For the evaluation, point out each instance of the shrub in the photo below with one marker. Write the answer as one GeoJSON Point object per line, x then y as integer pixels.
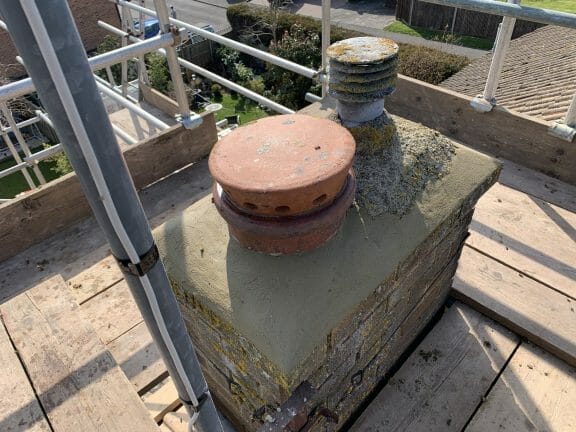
{"type": "Point", "coordinates": [243, 74]}
{"type": "Point", "coordinates": [429, 65]}
{"type": "Point", "coordinates": [158, 72]}
{"type": "Point", "coordinates": [299, 46]}
{"type": "Point", "coordinates": [61, 162]}
{"type": "Point", "coordinates": [216, 90]}
{"type": "Point", "coordinates": [256, 85]}
{"type": "Point", "coordinates": [426, 64]}
{"type": "Point", "coordinates": [227, 58]}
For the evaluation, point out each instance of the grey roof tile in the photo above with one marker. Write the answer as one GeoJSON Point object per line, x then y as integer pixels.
{"type": "Point", "coordinates": [538, 77]}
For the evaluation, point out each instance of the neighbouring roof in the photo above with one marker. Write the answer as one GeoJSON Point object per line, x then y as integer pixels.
{"type": "Point", "coordinates": [538, 77]}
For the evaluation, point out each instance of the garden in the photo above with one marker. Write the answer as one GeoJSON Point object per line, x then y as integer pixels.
{"type": "Point", "coordinates": [12, 185]}
{"type": "Point", "coordinates": [290, 36]}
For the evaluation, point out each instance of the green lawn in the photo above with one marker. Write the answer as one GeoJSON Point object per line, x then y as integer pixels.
{"type": "Point", "coordinates": [559, 5]}
{"type": "Point", "coordinates": [467, 41]}
{"type": "Point", "coordinates": [15, 183]}
{"type": "Point", "coordinates": [247, 109]}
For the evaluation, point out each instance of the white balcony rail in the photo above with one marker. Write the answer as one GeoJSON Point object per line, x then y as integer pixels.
{"type": "Point", "coordinates": [511, 11]}
{"type": "Point", "coordinates": [164, 44]}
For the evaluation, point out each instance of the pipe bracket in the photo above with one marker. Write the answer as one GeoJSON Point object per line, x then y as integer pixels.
{"type": "Point", "coordinates": [192, 121]}
{"type": "Point", "coordinates": [562, 131]}
{"type": "Point", "coordinates": [147, 261]}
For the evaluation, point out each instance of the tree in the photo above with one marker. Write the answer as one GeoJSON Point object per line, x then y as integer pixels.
{"type": "Point", "coordinates": [108, 44]}
{"type": "Point", "coordinates": [302, 47]}
{"type": "Point", "coordinates": [227, 59]}
{"type": "Point", "coordinates": [276, 8]}
{"type": "Point", "coordinates": [158, 72]}
{"type": "Point", "coordinates": [265, 28]}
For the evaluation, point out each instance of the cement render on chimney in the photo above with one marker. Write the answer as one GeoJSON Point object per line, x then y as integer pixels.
{"type": "Point", "coordinates": [287, 305]}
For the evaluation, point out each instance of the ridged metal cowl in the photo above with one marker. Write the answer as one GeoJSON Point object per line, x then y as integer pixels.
{"type": "Point", "coordinates": [362, 72]}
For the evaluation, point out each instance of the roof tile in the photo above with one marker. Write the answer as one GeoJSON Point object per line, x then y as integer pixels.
{"type": "Point", "coordinates": [538, 77]}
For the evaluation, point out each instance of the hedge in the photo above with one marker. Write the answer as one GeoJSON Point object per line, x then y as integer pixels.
{"type": "Point", "coordinates": [244, 15]}
{"type": "Point", "coordinates": [423, 63]}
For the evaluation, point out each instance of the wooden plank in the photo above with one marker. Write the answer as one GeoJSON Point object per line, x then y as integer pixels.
{"type": "Point", "coordinates": [536, 392]}
{"type": "Point", "coordinates": [465, 350]}
{"type": "Point", "coordinates": [82, 244]}
{"type": "Point", "coordinates": [528, 234]}
{"type": "Point", "coordinates": [159, 100]}
{"type": "Point", "coordinates": [538, 185]}
{"type": "Point", "coordinates": [113, 312]}
{"type": "Point", "coordinates": [19, 408]}
{"type": "Point", "coordinates": [501, 132]}
{"type": "Point", "coordinates": [170, 150]}
{"type": "Point", "coordinates": [95, 279]}
{"type": "Point", "coordinates": [43, 212]}
{"type": "Point", "coordinates": [36, 215]}
{"type": "Point", "coordinates": [139, 358]}
{"type": "Point", "coordinates": [78, 382]}
{"type": "Point", "coordinates": [177, 421]}
{"type": "Point", "coordinates": [527, 307]}
{"type": "Point", "coordinates": [161, 399]}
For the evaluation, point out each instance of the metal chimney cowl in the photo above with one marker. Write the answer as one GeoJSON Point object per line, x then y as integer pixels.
{"type": "Point", "coordinates": [361, 73]}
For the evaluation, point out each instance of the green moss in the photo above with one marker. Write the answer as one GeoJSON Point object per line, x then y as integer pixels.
{"type": "Point", "coordinates": [372, 139]}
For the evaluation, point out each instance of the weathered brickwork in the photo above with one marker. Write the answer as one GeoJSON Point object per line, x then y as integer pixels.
{"type": "Point", "coordinates": [86, 14]}
{"type": "Point", "coordinates": [366, 344]}
{"type": "Point", "coordinates": [401, 272]}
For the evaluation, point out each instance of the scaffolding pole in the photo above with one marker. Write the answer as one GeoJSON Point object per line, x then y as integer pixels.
{"type": "Point", "coordinates": [189, 120]}
{"type": "Point", "coordinates": [262, 55]}
{"type": "Point", "coordinates": [65, 85]}
{"type": "Point", "coordinates": [21, 141]}
{"type": "Point", "coordinates": [212, 76]}
{"type": "Point", "coordinates": [120, 133]}
{"type": "Point", "coordinates": [486, 101]}
{"type": "Point", "coordinates": [126, 16]}
{"type": "Point", "coordinates": [326, 5]}
{"type": "Point", "coordinates": [514, 10]}
{"type": "Point", "coordinates": [26, 86]}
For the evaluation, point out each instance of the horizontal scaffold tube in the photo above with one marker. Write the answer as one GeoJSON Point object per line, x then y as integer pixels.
{"type": "Point", "coordinates": [544, 16]}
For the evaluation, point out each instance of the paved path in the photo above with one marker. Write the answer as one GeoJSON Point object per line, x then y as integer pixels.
{"type": "Point", "coordinates": [471, 53]}
{"type": "Point", "coordinates": [201, 12]}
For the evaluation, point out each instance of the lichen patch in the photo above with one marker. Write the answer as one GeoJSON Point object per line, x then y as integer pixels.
{"type": "Point", "coordinates": [395, 160]}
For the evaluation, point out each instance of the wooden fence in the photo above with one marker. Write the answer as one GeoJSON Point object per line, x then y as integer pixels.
{"type": "Point", "coordinates": [201, 51]}
{"type": "Point", "coordinates": [457, 21]}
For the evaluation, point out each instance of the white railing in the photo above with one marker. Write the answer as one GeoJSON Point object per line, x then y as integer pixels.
{"type": "Point", "coordinates": [511, 11]}
{"type": "Point", "coordinates": [165, 45]}
{"type": "Point", "coordinates": [25, 86]}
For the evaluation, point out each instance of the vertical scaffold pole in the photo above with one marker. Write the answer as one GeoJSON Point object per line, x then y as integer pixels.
{"type": "Point", "coordinates": [46, 37]}
{"type": "Point", "coordinates": [188, 119]}
{"type": "Point", "coordinates": [487, 100]}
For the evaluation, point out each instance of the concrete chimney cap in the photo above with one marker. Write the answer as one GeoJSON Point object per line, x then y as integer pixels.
{"type": "Point", "coordinates": [363, 50]}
